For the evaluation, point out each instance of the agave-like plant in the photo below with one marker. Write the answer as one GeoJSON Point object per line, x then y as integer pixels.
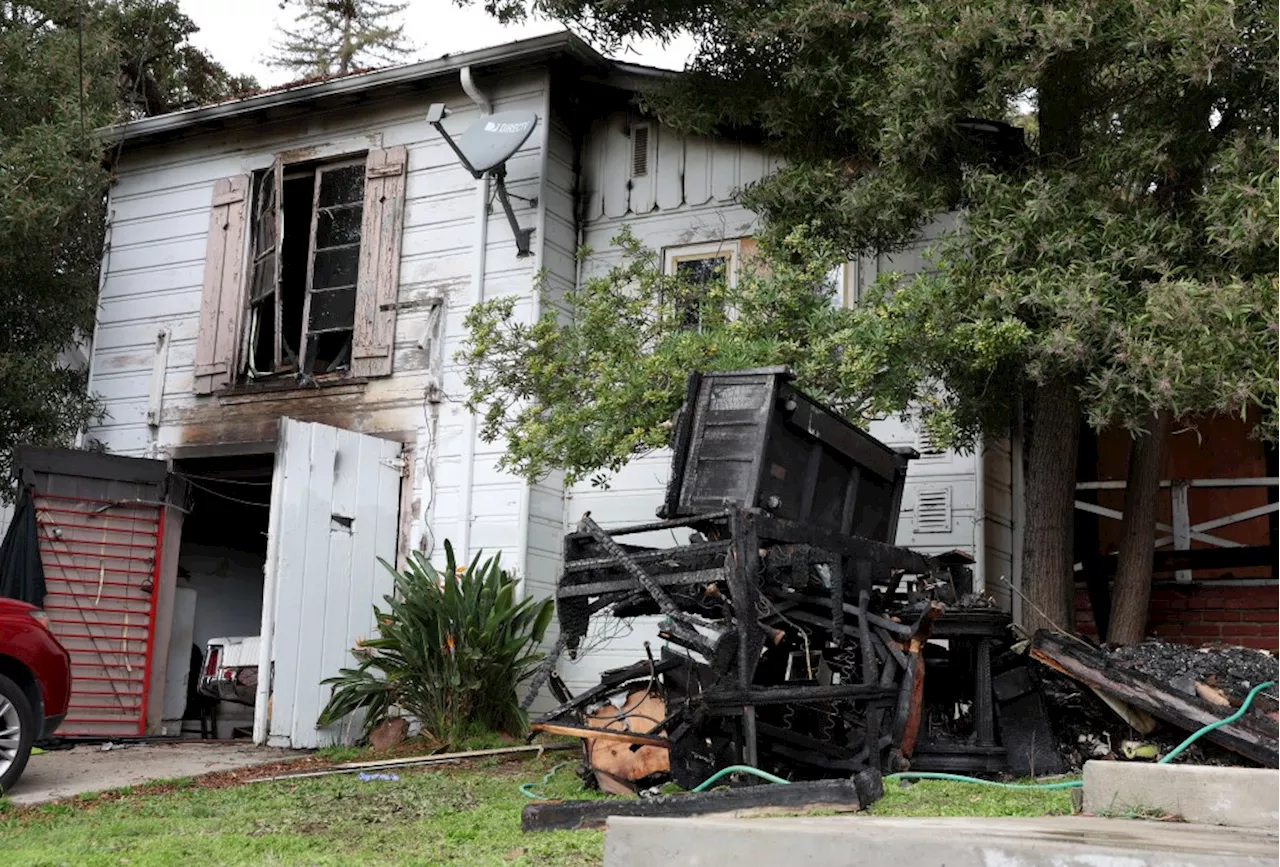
{"type": "Point", "coordinates": [451, 648]}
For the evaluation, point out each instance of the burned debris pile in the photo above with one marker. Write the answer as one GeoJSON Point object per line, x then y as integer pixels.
{"type": "Point", "coordinates": [1164, 692]}
{"type": "Point", "coordinates": [1232, 671]}
{"type": "Point", "coordinates": [801, 632]}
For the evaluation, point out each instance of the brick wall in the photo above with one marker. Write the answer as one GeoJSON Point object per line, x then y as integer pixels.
{"type": "Point", "coordinates": [1200, 612]}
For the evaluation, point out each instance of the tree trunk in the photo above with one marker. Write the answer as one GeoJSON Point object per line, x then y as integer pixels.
{"type": "Point", "coordinates": [1048, 576]}
{"type": "Point", "coordinates": [1131, 593]}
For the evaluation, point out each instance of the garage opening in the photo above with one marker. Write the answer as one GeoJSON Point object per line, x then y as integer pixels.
{"type": "Point", "coordinates": [219, 596]}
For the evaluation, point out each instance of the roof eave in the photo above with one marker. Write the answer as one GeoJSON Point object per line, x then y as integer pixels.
{"type": "Point", "coordinates": [524, 51]}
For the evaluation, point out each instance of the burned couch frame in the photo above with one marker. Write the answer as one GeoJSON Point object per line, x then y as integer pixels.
{"type": "Point", "coordinates": [804, 626]}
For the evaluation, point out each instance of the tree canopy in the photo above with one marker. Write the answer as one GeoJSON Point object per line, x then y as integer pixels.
{"type": "Point", "coordinates": [1115, 254]}
{"type": "Point", "coordinates": [70, 68]}
{"type": "Point", "coordinates": [340, 36]}
{"type": "Point", "coordinates": [160, 70]}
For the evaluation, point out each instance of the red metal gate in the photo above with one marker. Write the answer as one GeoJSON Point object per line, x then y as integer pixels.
{"type": "Point", "coordinates": [101, 563]}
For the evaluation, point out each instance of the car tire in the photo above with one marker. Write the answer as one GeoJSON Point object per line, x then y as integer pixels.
{"type": "Point", "coordinates": [15, 709]}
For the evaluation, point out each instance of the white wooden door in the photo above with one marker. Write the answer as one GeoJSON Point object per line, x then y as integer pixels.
{"type": "Point", "coordinates": [334, 511]}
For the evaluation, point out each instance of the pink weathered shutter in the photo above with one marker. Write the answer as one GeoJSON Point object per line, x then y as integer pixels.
{"type": "Point", "coordinates": [223, 294]}
{"type": "Point", "coordinates": [378, 283]}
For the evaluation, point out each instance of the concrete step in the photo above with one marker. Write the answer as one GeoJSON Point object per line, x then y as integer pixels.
{"type": "Point", "coordinates": [1064, 841]}
{"type": "Point", "coordinates": [1204, 794]}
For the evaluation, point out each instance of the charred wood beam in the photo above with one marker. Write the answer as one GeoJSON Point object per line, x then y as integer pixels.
{"type": "Point", "coordinates": [879, 556]}
{"type": "Point", "coordinates": [891, 645]}
{"type": "Point", "coordinates": [802, 756]}
{"type": "Point", "coordinates": [845, 795]}
{"type": "Point", "coordinates": [1250, 738]}
{"type": "Point", "coordinates": [681, 556]}
{"type": "Point", "coordinates": [869, 672]}
{"type": "Point", "coordinates": [744, 571]}
{"type": "Point", "coordinates": [821, 750]}
{"type": "Point", "coordinates": [612, 681]}
{"type": "Point", "coordinates": [759, 695]}
{"type": "Point", "coordinates": [652, 526]}
{"type": "Point", "coordinates": [665, 604]}
{"type": "Point", "coordinates": [906, 726]}
{"type": "Point", "coordinates": [623, 585]}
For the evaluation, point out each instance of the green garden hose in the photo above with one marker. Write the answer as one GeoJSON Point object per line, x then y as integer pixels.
{"type": "Point", "coordinates": [960, 778]}
{"type": "Point", "coordinates": [737, 769]}
{"type": "Point", "coordinates": [1218, 724]}
{"type": "Point", "coordinates": [527, 788]}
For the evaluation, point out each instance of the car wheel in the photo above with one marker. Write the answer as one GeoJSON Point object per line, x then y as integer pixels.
{"type": "Point", "coordinates": [17, 732]}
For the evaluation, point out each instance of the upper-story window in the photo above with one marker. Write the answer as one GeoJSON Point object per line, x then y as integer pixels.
{"type": "Point", "coordinates": [700, 265]}
{"type": "Point", "coordinates": [306, 263]}
{"type": "Point", "coordinates": [302, 272]}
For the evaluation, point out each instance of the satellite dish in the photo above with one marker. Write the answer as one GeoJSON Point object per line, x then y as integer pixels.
{"type": "Point", "coordinates": [490, 141]}
{"type": "Point", "coordinates": [484, 150]}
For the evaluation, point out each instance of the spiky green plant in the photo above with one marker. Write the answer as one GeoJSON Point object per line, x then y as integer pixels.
{"type": "Point", "coordinates": [451, 648]}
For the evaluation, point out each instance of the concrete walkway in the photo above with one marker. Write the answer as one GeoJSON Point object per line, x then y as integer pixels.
{"type": "Point", "coordinates": [63, 773]}
{"type": "Point", "coordinates": [1064, 841]}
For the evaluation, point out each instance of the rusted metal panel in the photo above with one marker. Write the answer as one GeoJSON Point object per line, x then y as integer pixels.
{"type": "Point", "coordinates": [221, 300]}
{"type": "Point", "coordinates": [101, 562]}
{"type": "Point", "coordinates": [379, 277]}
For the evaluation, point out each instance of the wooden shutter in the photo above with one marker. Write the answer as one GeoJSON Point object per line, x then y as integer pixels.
{"type": "Point", "coordinates": [378, 282]}
{"type": "Point", "coordinates": [222, 298]}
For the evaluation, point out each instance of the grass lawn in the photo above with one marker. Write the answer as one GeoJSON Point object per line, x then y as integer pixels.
{"type": "Point", "coordinates": [460, 815]}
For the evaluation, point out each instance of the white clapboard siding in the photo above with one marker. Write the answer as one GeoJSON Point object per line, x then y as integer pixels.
{"type": "Point", "coordinates": [160, 213]}
{"type": "Point", "coordinates": [337, 495]}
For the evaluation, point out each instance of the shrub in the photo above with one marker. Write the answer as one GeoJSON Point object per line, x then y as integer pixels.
{"type": "Point", "coordinates": [451, 648]}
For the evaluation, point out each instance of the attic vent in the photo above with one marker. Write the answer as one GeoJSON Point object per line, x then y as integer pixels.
{"type": "Point", "coordinates": [928, 449]}
{"type": "Point", "coordinates": [640, 150]}
{"type": "Point", "coordinates": [933, 511]}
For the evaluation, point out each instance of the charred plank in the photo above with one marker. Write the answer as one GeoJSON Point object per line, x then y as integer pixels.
{"type": "Point", "coordinates": [845, 795]}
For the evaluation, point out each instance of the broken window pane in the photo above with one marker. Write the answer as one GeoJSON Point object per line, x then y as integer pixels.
{"type": "Point", "coordinates": [338, 226]}
{"type": "Point", "coordinates": [332, 309]}
{"type": "Point", "coordinates": [306, 240]}
{"type": "Point", "coordinates": [342, 186]}
{"type": "Point", "coordinates": [336, 267]}
{"type": "Point", "coordinates": [264, 278]}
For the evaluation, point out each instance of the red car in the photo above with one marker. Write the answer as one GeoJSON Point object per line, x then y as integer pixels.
{"type": "Point", "coordinates": [35, 685]}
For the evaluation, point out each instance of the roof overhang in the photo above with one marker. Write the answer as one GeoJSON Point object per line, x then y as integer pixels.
{"type": "Point", "coordinates": [301, 99]}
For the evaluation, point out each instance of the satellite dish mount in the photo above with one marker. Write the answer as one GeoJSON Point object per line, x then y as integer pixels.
{"type": "Point", "coordinates": [484, 150]}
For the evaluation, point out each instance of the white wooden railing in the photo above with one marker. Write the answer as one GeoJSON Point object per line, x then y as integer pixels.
{"type": "Point", "coordinates": [1182, 532]}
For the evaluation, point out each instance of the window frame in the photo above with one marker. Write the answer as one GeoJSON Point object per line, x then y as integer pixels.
{"type": "Point", "coordinates": [283, 170]}
{"type": "Point", "coordinates": [729, 248]}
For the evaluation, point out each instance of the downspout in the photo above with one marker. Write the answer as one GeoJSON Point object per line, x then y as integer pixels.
{"type": "Point", "coordinates": [477, 295]}
{"type": "Point", "coordinates": [526, 487]}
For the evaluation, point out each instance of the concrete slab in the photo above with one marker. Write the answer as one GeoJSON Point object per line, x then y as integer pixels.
{"type": "Point", "coordinates": [1062, 841]}
{"type": "Point", "coordinates": [63, 773]}
{"type": "Point", "coordinates": [1238, 797]}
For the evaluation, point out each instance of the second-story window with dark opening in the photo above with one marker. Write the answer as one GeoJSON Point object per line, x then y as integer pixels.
{"type": "Point", "coordinates": [698, 266]}
{"type": "Point", "coordinates": [305, 259]}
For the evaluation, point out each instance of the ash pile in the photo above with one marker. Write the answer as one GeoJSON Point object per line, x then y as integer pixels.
{"type": "Point", "coordinates": [799, 639]}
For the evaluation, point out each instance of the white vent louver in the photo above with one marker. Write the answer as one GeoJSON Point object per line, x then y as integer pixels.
{"type": "Point", "coordinates": [639, 150]}
{"type": "Point", "coordinates": [933, 511]}
{"type": "Point", "coordinates": [928, 449]}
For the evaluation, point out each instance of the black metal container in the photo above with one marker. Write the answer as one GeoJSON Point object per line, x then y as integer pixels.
{"type": "Point", "coordinates": [750, 438]}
